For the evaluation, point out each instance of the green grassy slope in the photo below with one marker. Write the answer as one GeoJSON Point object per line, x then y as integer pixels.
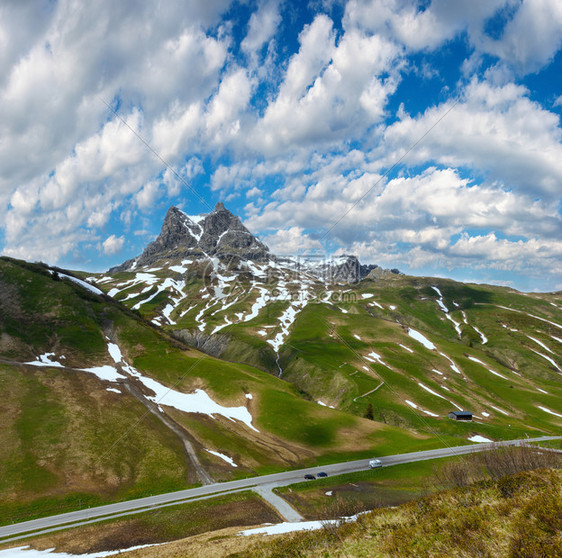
{"type": "Point", "coordinates": [67, 441]}
{"type": "Point", "coordinates": [498, 353]}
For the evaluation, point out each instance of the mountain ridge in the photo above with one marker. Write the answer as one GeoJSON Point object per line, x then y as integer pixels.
{"type": "Point", "coordinates": [218, 233]}
{"type": "Point", "coordinates": [221, 234]}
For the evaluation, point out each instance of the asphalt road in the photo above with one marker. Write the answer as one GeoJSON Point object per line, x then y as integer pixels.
{"type": "Point", "coordinates": [102, 513]}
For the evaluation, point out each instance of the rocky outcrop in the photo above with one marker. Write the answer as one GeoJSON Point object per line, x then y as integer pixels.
{"type": "Point", "coordinates": [343, 269]}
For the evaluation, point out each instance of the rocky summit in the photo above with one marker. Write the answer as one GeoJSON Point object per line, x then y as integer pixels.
{"type": "Point", "coordinates": [218, 233]}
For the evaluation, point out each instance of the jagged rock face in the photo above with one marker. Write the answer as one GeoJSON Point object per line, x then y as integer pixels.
{"type": "Point", "coordinates": [345, 269]}
{"type": "Point", "coordinates": [177, 230]}
{"type": "Point", "coordinates": [219, 233]}
{"type": "Point", "coordinates": [224, 234]}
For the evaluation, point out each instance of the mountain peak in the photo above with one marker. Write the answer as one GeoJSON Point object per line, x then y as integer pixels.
{"type": "Point", "coordinates": [219, 233]}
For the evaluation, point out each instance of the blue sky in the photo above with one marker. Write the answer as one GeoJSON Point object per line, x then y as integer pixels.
{"type": "Point", "coordinates": [419, 135]}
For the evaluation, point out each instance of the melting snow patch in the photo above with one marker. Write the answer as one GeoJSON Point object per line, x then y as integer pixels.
{"type": "Point", "coordinates": [374, 357]}
{"type": "Point", "coordinates": [474, 359]}
{"type": "Point", "coordinates": [83, 284]}
{"type": "Point", "coordinates": [455, 323]}
{"type": "Point", "coordinates": [229, 460]}
{"type": "Point", "coordinates": [167, 311]}
{"type": "Point", "coordinates": [479, 439]}
{"type": "Point", "coordinates": [482, 336]}
{"type": "Point", "coordinates": [542, 390]}
{"type": "Point", "coordinates": [499, 411]}
{"type": "Point", "coordinates": [196, 402]}
{"type": "Point", "coordinates": [329, 493]}
{"type": "Point", "coordinates": [419, 337]}
{"type": "Point", "coordinates": [325, 405]}
{"type": "Point", "coordinates": [281, 528]}
{"type": "Point", "coordinates": [105, 372]}
{"type": "Point", "coordinates": [440, 300]}
{"type": "Point", "coordinates": [485, 414]}
{"type": "Point", "coordinates": [357, 336]}
{"type": "Point", "coordinates": [366, 295]}
{"type": "Point", "coordinates": [547, 358]}
{"type": "Point", "coordinates": [549, 411]}
{"type": "Point", "coordinates": [115, 352]}
{"type": "Point", "coordinates": [406, 348]}
{"type": "Point", "coordinates": [438, 395]}
{"type": "Point", "coordinates": [431, 391]}
{"type": "Point", "coordinates": [531, 316]}
{"type": "Point", "coordinates": [423, 410]}
{"type": "Point", "coordinates": [451, 363]}
{"type": "Point", "coordinates": [45, 360]}
{"type": "Point", "coordinates": [377, 304]}
{"type": "Point", "coordinates": [541, 344]}
{"type": "Point", "coordinates": [113, 390]}
{"type": "Point", "coordinates": [392, 306]}
{"type": "Point", "coordinates": [178, 268]}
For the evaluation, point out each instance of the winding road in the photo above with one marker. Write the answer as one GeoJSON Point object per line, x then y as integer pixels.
{"type": "Point", "coordinates": [262, 485]}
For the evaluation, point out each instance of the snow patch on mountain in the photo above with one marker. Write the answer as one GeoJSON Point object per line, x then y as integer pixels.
{"type": "Point", "coordinates": [45, 360]}
{"type": "Point", "coordinates": [224, 457]}
{"type": "Point", "coordinates": [421, 338]}
{"type": "Point", "coordinates": [478, 361]}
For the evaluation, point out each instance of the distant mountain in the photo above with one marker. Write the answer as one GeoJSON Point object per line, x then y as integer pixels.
{"type": "Point", "coordinates": [219, 233]}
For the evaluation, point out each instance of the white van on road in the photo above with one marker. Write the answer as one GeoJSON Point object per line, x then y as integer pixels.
{"type": "Point", "coordinates": [374, 463]}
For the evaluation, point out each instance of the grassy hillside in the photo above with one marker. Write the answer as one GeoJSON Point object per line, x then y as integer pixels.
{"type": "Point", "coordinates": [403, 350]}
{"type": "Point", "coordinates": [517, 516]}
{"type": "Point", "coordinates": [84, 425]}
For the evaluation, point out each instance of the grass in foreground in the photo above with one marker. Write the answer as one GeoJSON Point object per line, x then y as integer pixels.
{"type": "Point", "coordinates": [516, 516]}
{"type": "Point", "coordinates": [161, 525]}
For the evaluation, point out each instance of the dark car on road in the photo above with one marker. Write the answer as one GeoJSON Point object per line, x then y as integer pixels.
{"type": "Point", "coordinates": [322, 474]}
{"type": "Point", "coordinates": [309, 477]}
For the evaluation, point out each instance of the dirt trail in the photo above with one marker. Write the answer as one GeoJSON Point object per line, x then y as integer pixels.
{"type": "Point", "coordinates": [203, 475]}
{"type": "Point", "coordinates": [130, 386]}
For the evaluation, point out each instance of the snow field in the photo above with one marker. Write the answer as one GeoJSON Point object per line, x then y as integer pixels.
{"type": "Point", "coordinates": [196, 402]}
{"type": "Point", "coordinates": [45, 360]}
